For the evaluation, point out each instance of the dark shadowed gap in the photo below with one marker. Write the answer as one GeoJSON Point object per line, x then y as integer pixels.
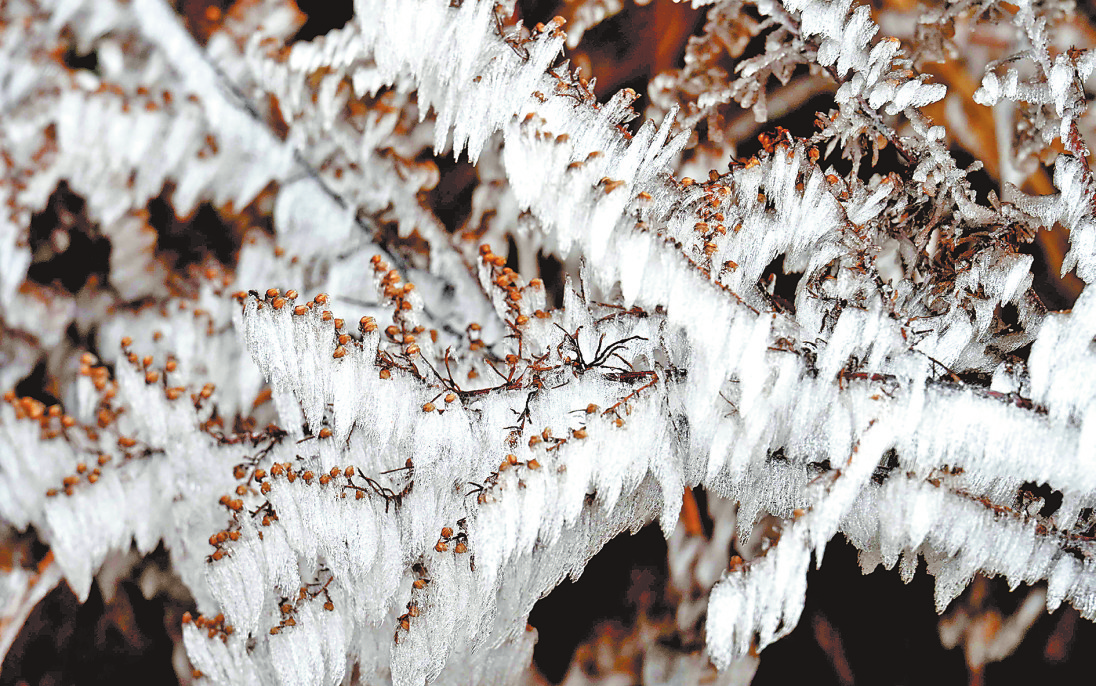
{"type": "Point", "coordinates": [68, 250]}
{"type": "Point", "coordinates": [38, 385]}
{"type": "Point", "coordinates": [784, 285]}
{"type": "Point", "coordinates": [512, 256]}
{"type": "Point", "coordinates": [533, 11]}
{"type": "Point", "coordinates": [182, 242]}
{"type": "Point", "coordinates": [1046, 282]}
{"type": "Point", "coordinates": [700, 494]}
{"type": "Point", "coordinates": [886, 630]}
{"type": "Point", "coordinates": [1007, 318]}
{"type": "Point", "coordinates": [551, 273]}
{"type": "Point", "coordinates": [323, 15]}
{"type": "Point", "coordinates": [1052, 499]}
{"type": "Point", "coordinates": [980, 181]}
{"type": "Point", "coordinates": [631, 47]}
{"type": "Point", "coordinates": [74, 60]}
{"type": "Point", "coordinates": [64, 642]}
{"type": "Point", "coordinates": [568, 615]}
{"type": "Point", "coordinates": [451, 199]}
{"type": "Point", "coordinates": [888, 633]}
{"type": "Point", "coordinates": [627, 49]}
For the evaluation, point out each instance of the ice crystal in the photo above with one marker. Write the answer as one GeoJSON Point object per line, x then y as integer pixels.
{"type": "Point", "coordinates": [379, 481]}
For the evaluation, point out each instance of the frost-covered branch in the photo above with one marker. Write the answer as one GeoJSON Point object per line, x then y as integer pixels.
{"type": "Point", "coordinates": [379, 482]}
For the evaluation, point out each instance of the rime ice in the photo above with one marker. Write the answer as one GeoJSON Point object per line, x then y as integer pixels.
{"type": "Point", "coordinates": [429, 447]}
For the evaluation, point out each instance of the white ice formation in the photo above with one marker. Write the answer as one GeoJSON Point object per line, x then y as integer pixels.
{"type": "Point", "coordinates": [444, 448]}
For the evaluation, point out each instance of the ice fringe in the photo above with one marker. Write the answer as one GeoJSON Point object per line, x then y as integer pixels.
{"type": "Point", "coordinates": [818, 415]}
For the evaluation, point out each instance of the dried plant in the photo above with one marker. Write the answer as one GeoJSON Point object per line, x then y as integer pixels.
{"type": "Point", "coordinates": [844, 330]}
